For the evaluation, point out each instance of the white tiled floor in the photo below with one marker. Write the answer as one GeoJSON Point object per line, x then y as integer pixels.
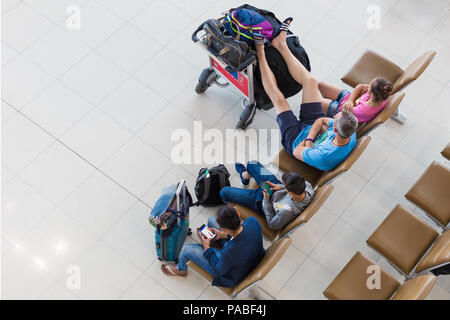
{"type": "Point", "coordinates": [87, 117]}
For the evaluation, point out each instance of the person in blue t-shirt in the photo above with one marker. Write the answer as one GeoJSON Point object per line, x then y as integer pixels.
{"type": "Point", "coordinates": [321, 142]}
{"type": "Point", "coordinates": [326, 143]}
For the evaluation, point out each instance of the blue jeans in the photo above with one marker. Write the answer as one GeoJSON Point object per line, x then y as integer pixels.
{"type": "Point", "coordinates": [194, 252]}
{"type": "Point", "coordinates": [251, 199]}
{"type": "Point", "coordinates": [333, 108]}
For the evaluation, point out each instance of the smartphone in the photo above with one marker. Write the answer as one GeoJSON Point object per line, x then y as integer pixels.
{"type": "Point", "coordinates": [268, 188]}
{"type": "Point", "coordinates": [207, 232]}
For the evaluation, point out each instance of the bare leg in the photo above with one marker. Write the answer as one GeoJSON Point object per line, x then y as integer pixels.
{"type": "Point", "coordinates": [297, 70]}
{"type": "Point", "coordinates": [325, 105]}
{"type": "Point", "coordinates": [270, 83]}
{"type": "Point", "coordinates": [329, 90]}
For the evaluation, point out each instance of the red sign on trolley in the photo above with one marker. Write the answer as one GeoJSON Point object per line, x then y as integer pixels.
{"type": "Point", "coordinates": [238, 79]}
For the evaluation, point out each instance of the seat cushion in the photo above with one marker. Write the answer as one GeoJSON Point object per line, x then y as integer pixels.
{"type": "Point", "coordinates": [286, 163]}
{"type": "Point", "coordinates": [247, 213]}
{"type": "Point", "coordinates": [439, 254]}
{"type": "Point", "coordinates": [431, 193]}
{"type": "Point", "coordinates": [370, 66]}
{"type": "Point", "coordinates": [416, 289]}
{"type": "Point", "coordinates": [446, 152]}
{"type": "Point", "coordinates": [351, 282]}
{"type": "Point", "coordinates": [207, 276]}
{"type": "Point", "coordinates": [403, 239]}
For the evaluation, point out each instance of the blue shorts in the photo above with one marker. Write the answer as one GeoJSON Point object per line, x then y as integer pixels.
{"type": "Point", "coordinates": [291, 127]}
{"type": "Point", "coordinates": [333, 108]}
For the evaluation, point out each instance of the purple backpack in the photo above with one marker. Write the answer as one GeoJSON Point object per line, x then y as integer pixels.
{"type": "Point", "coordinates": [243, 23]}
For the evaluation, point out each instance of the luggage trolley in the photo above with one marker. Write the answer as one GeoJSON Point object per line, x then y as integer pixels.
{"type": "Point", "coordinates": [241, 78]}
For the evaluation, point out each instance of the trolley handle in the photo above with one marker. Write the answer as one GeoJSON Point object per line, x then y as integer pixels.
{"type": "Point", "coordinates": [250, 60]}
{"type": "Point", "coordinates": [194, 35]}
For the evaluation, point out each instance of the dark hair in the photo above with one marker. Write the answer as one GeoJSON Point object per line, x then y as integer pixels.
{"type": "Point", "coordinates": [228, 218]}
{"type": "Point", "coordinates": [346, 125]}
{"type": "Point", "coordinates": [381, 89]}
{"type": "Point", "coordinates": [294, 182]}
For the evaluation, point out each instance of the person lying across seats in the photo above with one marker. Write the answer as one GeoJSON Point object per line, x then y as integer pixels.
{"type": "Point", "coordinates": [279, 202]}
{"type": "Point", "coordinates": [241, 250]}
{"type": "Point", "coordinates": [365, 102]}
{"type": "Point", "coordinates": [321, 142]}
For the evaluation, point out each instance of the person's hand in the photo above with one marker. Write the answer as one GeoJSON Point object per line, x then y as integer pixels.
{"type": "Point", "coordinates": [219, 234]}
{"type": "Point", "coordinates": [266, 195]}
{"type": "Point", "coordinates": [274, 187]}
{"type": "Point", "coordinates": [348, 106]}
{"type": "Point", "coordinates": [206, 243]}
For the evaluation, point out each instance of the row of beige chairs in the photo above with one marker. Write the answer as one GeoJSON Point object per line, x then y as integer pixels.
{"type": "Point", "coordinates": [410, 245]}
{"type": "Point", "coordinates": [352, 284]}
{"type": "Point", "coordinates": [321, 180]}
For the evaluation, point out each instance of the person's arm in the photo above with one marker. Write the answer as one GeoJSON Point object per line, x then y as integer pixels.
{"type": "Point", "coordinates": [320, 126]}
{"type": "Point", "coordinates": [355, 95]}
{"type": "Point", "coordinates": [221, 265]}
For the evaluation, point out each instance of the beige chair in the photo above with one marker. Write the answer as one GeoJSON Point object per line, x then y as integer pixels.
{"type": "Point", "coordinates": [446, 152]}
{"type": "Point", "coordinates": [406, 241]}
{"type": "Point", "coordinates": [432, 194]}
{"type": "Point", "coordinates": [270, 260]}
{"type": "Point", "coordinates": [286, 163]}
{"type": "Point", "coordinates": [352, 284]}
{"type": "Point", "coordinates": [320, 197]}
{"type": "Point", "coordinates": [372, 65]}
{"type": "Point", "coordinates": [391, 107]}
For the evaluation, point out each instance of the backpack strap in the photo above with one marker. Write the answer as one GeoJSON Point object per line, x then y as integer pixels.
{"type": "Point", "coordinates": [206, 188]}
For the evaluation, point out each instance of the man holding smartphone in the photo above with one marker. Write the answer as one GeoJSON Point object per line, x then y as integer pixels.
{"type": "Point", "coordinates": [241, 249]}
{"type": "Point", "coordinates": [279, 202]}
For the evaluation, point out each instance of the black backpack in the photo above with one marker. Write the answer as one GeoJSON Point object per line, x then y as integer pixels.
{"type": "Point", "coordinates": [288, 86]}
{"type": "Point", "coordinates": [209, 184]}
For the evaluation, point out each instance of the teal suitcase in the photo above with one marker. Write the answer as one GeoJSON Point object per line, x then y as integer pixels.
{"type": "Point", "coordinates": [170, 216]}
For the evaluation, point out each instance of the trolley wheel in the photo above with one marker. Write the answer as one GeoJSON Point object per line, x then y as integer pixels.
{"type": "Point", "coordinates": [200, 88]}
{"type": "Point", "coordinates": [206, 79]}
{"type": "Point", "coordinates": [247, 116]}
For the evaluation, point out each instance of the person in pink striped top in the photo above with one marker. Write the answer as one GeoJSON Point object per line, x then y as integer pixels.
{"type": "Point", "coordinates": [366, 101]}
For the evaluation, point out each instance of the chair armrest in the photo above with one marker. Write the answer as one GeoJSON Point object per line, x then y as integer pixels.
{"type": "Point", "coordinates": [316, 204]}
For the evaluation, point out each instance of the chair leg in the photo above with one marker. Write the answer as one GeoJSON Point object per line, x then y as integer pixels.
{"type": "Point", "coordinates": [397, 117]}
